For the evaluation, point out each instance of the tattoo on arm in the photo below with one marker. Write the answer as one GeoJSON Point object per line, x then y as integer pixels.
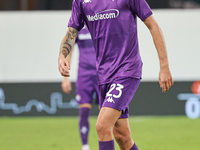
{"type": "Point", "coordinates": [68, 41]}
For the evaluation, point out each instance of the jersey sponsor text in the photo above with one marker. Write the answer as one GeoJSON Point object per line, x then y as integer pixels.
{"type": "Point", "coordinates": [103, 15]}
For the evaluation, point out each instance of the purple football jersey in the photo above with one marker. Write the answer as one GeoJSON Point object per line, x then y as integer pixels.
{"type": "Point", "coordinates": [113, 27]}
{"type": "Point", "coordinates": [87, 56]}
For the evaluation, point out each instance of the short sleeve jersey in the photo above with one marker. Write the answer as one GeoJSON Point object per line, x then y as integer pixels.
{"type": "Point", "coordinates": [87, 61]}
{"type": "Point", "coordinates": [113, 27]}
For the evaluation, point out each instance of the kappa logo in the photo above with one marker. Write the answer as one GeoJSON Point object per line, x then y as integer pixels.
{"type": "Point", "coordinates": [110, 100]}
{"type": "Point", "coordinates": [86, 1]}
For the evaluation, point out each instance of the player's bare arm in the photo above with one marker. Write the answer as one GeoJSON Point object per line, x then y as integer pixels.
{"type": "Point", "coordinates": [66, 85]}
{"type": "Point", "coordinates": [68, 41]}
{"type": "Point", "coordinates": [66, 47]}
{"type": "Point", "coordinates": [165, 77]}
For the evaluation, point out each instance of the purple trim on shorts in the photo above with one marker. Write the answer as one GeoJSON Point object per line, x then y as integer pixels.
{"type": "Point", "coordinates": [120, 109]}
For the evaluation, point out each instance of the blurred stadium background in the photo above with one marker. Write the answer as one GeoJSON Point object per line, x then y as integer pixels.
{"type": "Point", "coordinates": [35, 113]}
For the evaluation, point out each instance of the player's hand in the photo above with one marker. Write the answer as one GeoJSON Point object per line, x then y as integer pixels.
{"type": "Point", "coordinates": [66, 85]}
{"type": "Point", "coordinates": [63, 66]}
{"type": "Point", "coordinates": [165, 79]}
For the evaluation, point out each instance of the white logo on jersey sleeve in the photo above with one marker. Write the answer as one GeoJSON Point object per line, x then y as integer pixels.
{"type": "Point", "coordinates": [87, 1]}
{"type": "Point", "coordinates": [84, 36]}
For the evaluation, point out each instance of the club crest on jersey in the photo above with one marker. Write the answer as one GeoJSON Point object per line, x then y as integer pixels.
{"type": "Point", "coordinates": [86, 1]}
{"type": "Point", "coordinates": [110, 100]}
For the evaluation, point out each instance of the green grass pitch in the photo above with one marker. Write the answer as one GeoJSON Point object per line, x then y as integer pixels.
{"type": "Point", "coordinates": [61, 133]}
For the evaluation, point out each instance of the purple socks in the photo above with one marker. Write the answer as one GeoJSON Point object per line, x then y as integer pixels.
{"type": "Point", "coordinates": [106, 145]}
{"type": "Point", "coordinates": [134, 147]}
{"type": "Point", "coordinates": [84, 114]}
{"type": "Point", "coordinates": [109, 145]}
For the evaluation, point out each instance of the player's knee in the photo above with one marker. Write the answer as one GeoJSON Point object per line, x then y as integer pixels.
{"type": "Point", "coordinates": [101, 128]}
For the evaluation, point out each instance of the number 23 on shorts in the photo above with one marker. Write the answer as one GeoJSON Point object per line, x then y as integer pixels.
{"type": "Point", "coordinates": [117, 87]}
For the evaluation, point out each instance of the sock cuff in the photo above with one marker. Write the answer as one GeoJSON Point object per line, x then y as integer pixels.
{"type": "Point", "coordinates": [106, 145]}
{"type": "Point", "coordinates": [134, 147]}
{"type": "Point", "coordinates": [84, 112]}
{"type": "Point", "coordinates": [86, 108]}
{"type": "Point", "coordinates": [106, 141]}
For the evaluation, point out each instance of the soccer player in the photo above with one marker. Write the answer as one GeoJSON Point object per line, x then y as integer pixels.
{"type": "Point", "coordinates": [86, 84]}
{"type": "Point", "coordinates": [113, 27]}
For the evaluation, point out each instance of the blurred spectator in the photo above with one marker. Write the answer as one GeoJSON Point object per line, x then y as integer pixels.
{"type": "Point", "coordinates": [158, 3]}
{"type": "Point", "coordinates": [9, 5]}
{"type": "Point", "coordinates": [67, 4]}
{"type": "Point", "coordinates": [185, 3]}
{"type": "Point", "coordinates": [53, 4]}
{"type": "Point", "coordinates": [35, 4]}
